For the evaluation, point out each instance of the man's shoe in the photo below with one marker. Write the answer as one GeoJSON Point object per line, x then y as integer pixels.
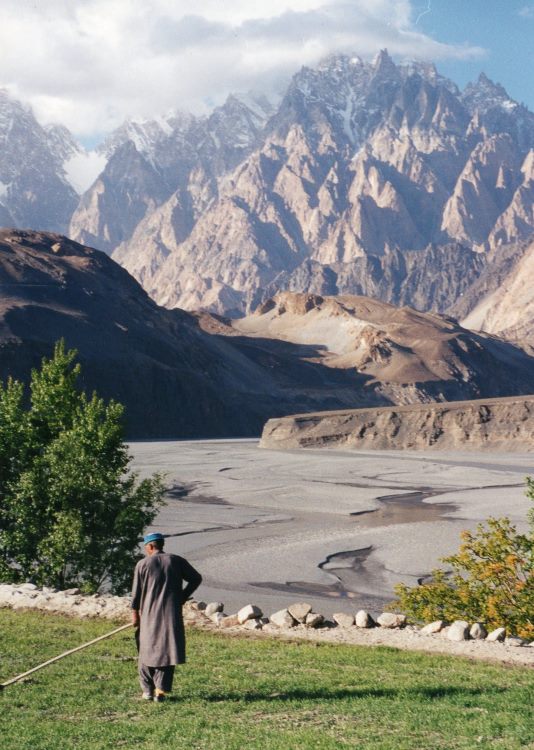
{"type": "Point", "coordinates": [159, 698]}
{"type": "Point", "coordinates": [148, 696]}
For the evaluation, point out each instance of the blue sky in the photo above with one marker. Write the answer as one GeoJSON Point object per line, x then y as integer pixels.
{"type": "Point", "coordinates": [504, 28]}
{"type": "Point", "coordinates": [91, 63]}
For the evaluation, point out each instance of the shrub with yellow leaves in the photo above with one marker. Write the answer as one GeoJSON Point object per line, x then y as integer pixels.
{"type": "Point", "coordinates": [490, 579]}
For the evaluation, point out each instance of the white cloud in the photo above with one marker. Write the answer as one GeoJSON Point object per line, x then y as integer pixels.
{"type": "Point", "coordinates": [527, 11]}
{"type": "Point", "coordinates": [91, 63]}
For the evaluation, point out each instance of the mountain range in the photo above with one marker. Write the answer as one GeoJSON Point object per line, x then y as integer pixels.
{"type": "Point", "coordinates": [365, 178]}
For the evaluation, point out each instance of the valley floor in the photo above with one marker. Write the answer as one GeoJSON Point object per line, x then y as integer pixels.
{"type": "Point", "coordinates": [335, 528]}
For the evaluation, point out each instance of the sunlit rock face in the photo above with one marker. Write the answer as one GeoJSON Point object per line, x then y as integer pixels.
{"type": "Point", "coordinates": [494, 424]}
{"type": "Point", "coordinates": [368, 178]}
{"type": "Point", "coordinates": [508, 310]}
{"type": "Point", "coordinates": [172, 163]}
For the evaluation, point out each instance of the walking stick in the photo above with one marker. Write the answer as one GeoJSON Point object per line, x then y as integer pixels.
{"type": "Point", "coordinates": [63, 655]}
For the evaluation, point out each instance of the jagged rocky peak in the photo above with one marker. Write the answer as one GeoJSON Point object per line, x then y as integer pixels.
{"type": "Point", "coordinates": [485, 94]}
{"type": "Point", "coordinates": [61, 142]}
{"type": "Point", "coordinates": [353, 97]}
{"type": "Point", "coordinates": [34, 188]}
{"type": "Point", "coordinates": [363, 163]}
{"type": "Point", "coordinates": [484, 189]}
{"type": "Point", "coordinates": [128, 188]}
{"type": "Point", "coordinates": [146, 134]}
{"type": "Point", "coordinates": [384, 66]}
{"type": "Point", "coordinates": [367, 177]}
{"type": "Point", "coordinates": [497, 112]}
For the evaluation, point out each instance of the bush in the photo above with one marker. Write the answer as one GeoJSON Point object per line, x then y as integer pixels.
{"type": "Point", "coordinates": [70, 512]}
{"type": "Point", "coordinates": [491, 580]}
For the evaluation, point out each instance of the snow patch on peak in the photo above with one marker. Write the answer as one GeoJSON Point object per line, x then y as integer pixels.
{"type": "Point", "coordinates": [258, 103]}
{"type": "Point", "coordinates": [485, 95]}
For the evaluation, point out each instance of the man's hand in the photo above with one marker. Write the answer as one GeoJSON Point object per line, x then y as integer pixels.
{"type": "Point", "coordinates": [136, 620]}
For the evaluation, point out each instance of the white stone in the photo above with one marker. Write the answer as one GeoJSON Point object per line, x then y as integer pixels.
{"type": "Point", "coordinates": [282, 619]}
{"type": "Point", "coordinates": [343, 619]}
{"type": "Point", "coordinates": [213, 607]}
{"type": "Point", "coordinates": [299, 611]}
{"type": "Point", "coordinates": [250, 612]}
{"type": "Point", "coordinates": [477, 631]}
{"type": "Point", "coordinates": [314, 620]}
{"type": "Point", "coordinates": [391, 620]}
{"type": "Point", "coordinates": [364, 619]}
{"type": "Point", "coordinates": [433, 627]}
{"type": "Point", "coordinates": [253, 624]}
{"type": "Point", "coordinates": [499, 634]}
{"type": "Point", "coordinates": [512, 640]}
{"type": "Point", "coordinates": [217, 617]}
{"type": "Point", "coordinates": [458, 631]}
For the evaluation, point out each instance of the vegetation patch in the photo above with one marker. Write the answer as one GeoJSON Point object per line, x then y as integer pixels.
{"type": "Point", "coordinates": [490, 580]}
{"type": "Point", "coordinates": [71, 512]}
{"type": "Point", "coordinates": [267, 694]}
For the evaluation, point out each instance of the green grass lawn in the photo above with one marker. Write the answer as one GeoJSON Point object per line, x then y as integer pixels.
{"type": "Point", "coordinates": [238, 693]}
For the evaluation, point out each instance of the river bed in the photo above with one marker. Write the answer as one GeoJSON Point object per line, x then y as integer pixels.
{"type": "Point", "coordinates": [335, 528]}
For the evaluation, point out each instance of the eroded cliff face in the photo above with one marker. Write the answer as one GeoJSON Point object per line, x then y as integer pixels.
{"type": "Point", "coordinates": [508, 310]}
{"type": "Point", "coordinates": [367, 179]}
{"type": "Point", "coordinates": [503, 424]}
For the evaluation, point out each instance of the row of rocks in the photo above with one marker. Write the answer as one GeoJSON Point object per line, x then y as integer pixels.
{"type": "Point", "coordinates": [301, 614]}
{"type": "Point", "coordinates": [298, 615]}
{"type": "Point", "coordinates": [69, 602]}
{"type": "Point", "coordinates": [461, 630]}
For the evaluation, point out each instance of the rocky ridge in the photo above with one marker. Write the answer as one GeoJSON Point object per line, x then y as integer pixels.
{"type": "Point", "coordinates": [404, 355]}
{"type": "Point", "coordinates": [367, 174]}
{"type": "Point", "coordinates": [508, 309]}
{"type": "Point", "coordinates": [160, 176]}
{"type": "Point", "coordinates": [185, 375]}
{"type": "Point", "coordinates": [175, 379]}
{"type": "Point", "coordinates": [494, 424]}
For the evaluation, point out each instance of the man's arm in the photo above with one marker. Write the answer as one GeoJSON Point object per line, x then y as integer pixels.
{"type": "Point", "coordinates": [136, 598]}
{"type": "Point", "coordinates": [193, 578]}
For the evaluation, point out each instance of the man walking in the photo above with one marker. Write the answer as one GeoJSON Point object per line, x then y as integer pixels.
{"type": "Point", "coordinates": [157, 597]}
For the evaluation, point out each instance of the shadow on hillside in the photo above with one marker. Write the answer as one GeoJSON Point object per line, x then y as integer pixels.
{"type": "Point", "coordinates": [433, 693]}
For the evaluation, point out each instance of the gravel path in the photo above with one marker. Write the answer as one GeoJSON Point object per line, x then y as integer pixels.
{"type": "Point", "coordinates": [409, 639]}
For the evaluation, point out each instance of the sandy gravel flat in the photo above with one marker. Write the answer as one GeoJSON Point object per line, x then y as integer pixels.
{"type": "Point", "coordinates": [405, 639]}
{"type": "Point", "coordinates": [337, 529]}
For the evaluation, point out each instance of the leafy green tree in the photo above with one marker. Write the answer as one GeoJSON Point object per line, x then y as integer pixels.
{"type": "Point", "coordinates": [491, 579]}
{"type": "Point", "coordinates": [71, 513]}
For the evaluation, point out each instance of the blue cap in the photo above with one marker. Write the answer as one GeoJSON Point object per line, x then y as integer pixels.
{"type": "Point", "coordinates": [153, 537]}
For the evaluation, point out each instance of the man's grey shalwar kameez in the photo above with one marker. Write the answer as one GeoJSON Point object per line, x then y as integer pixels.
{"type": "Point", "coordinates": [158, 594]}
